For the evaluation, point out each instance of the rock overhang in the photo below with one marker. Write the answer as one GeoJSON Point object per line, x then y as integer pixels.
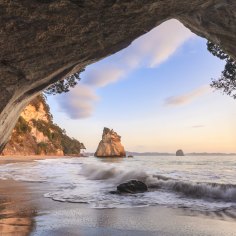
{"type": "Point", "coordinates": [43, 41]}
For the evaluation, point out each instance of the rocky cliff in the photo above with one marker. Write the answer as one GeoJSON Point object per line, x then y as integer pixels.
{"type": "Point", "coordinates": [110, 145]}
{"type": "Point", "coordinates": [44, 41]}
{"type": "Point", "coordinates": [36, 134]}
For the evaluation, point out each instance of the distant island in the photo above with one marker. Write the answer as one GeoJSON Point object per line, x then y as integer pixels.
{"type": "Point", "coordinates": [173, 154]}
{"type": "Point", "coordinates": [129, 153]}
{"type": "Point", "coordinates": [179, 152]}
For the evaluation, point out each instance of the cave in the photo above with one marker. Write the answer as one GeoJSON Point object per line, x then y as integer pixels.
{"type": "Point", "coordinates": [45, 41]}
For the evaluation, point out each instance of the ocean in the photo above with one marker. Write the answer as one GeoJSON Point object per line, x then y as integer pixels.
{"type": "Point", "coordinates": [203, 183]}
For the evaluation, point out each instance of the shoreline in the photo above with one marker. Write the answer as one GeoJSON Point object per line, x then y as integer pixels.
{"type": "Point", "coordinates": [20, 158]}
{"type": "Point", "coordinates": [16, 211]}
{"type": "Point", "coordinates": [25, 211]}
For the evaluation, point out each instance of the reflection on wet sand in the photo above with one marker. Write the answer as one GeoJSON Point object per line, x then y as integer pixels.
{"type": "Point", "coordinates": [16, 213]}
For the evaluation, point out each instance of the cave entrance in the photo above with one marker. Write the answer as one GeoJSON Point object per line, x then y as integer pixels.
{"type": "Point", "coordinates": [158, 87]}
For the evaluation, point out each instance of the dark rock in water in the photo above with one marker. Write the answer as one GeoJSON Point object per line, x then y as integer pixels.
{"type": "Point", "coordinates": [179, 152]}
{"type": "Point", "coordinates": [132, 186]}
{"type": "Point", "coordinates": [114, 192]}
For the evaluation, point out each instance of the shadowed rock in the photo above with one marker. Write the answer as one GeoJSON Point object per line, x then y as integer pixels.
{"type": "Point", "coordinates": [132, 186]}
{"type": "Point", "coordinates": [43, 41]}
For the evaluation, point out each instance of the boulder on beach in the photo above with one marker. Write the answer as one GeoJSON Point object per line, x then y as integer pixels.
{"type": "Point", "coordinates": [131, 186]}
{"type": "Point", "coordinates": [110, 145]}
{"type": "Point", "coordinates": [179, 152]}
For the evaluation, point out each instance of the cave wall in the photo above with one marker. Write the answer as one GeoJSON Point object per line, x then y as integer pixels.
{"type": "Point", "coordinates": [42, 41]}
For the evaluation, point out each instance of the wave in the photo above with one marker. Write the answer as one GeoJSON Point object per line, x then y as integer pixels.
{"type": "Point", "coordinates": [113, 174]}
{"type": "Point", "coordinates": [214, 191]}
{"type": "Point", "coordinates": [225, 192]}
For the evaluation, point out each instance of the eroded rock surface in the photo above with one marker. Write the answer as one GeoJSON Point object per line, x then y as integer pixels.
{"type": "Point", "coordinates": [42, 41]}
{"type": "Point", "coordinates": [36, 134]}
{"type": "Point", "coordinates": [110, 145]}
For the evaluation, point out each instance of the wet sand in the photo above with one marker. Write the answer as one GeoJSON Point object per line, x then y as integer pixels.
{"type": "Point", "coordinates": [77, 219]}
{"type": "Point", "coordinates": [12, 159]}
{"type": "Point", "coordinates": [24, 211]}
{"type": "Point", "coordinates": [16, 211]}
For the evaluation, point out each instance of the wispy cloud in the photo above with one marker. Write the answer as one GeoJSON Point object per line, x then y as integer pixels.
{"type": "Point", "coordinates": [162, 42]}
{"type": "Point", "coordinates": [187, 98]}
{"type": "Point", "coordinates": [150, 50]}
{"type": "Point", "coordinates": [103, 76]}
{"type": "Point", "coordinates": [79, 102]}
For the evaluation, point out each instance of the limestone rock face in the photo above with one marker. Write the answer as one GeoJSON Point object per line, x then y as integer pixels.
{"type": "Point", "coordinates": [179, 152]}
{"type": "Point", "coordinates": [110, 145]}
{"type": "Point", "coordinates": [42, 41]}
{"type": "Point", "coordinates": [36, 134]}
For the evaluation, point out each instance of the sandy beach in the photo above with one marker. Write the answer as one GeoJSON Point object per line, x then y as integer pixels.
{"type": "Point", "coordinates": [12, 159]}
{"type": "Point", "coordinates": [24, 211]}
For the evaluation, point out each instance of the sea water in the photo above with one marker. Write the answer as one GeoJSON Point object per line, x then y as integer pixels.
{"type": "Point", "coordinates": [206, 183]}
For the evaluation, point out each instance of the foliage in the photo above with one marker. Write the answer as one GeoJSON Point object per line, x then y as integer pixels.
{"type": "Point", "coordinates": [70, 145]}
{"type": "Point", "coordinates": [227, 80]}
{"type": "Point", "coordinates": [64, 85]}
{"type": "Point", "coordinates": [41, 148]}
{"type": "Point", "coordinates": [42, 99]}
{"type": "Point", "coordinates": [58, 137]}
{"type": "Point", "coordinates": [22, 126]}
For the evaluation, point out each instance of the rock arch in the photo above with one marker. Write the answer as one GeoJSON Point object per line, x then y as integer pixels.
{"type": "Point", "coordinates": [42, 41]}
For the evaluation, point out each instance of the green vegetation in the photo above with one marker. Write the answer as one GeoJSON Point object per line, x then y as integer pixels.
{"type": "Point", "coordinates": [42, 99]}
{"type": "Point", "coordinates": [55, 140]}
{"type": "Point", "coordinates": [58, 137]}
{"type": "Point", "coordinates": [22, 126]}
{"type": "Point", "coordinates": [70, 145]}
{"type": "Point", "coordinates": [227, 81]}
{"type": "Point", "coordinates": [42, 148]}
{"type": "Point", "coordinates": [64, 85]}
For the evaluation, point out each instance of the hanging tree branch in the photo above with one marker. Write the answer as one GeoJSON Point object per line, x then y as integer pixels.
{"type": "Point", "coordinates": [227, 81]}
{"type": "Point", "coordinates": [64, 85]}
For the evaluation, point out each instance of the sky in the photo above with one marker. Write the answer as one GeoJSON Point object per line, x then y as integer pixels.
{"type": "Point", "coordinates": [155, 94]}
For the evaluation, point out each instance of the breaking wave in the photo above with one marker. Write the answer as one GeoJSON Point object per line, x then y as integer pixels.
{"type": "Point", "coordinates": [216, 191]}
{"type": "Point", "coordinates": [225, 192]}
{"type": "Point", "coordinates": [113, 174]}
{"type": "Point", "coordinates": [171, 182]}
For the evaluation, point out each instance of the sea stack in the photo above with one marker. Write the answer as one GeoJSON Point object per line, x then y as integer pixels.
{"type": "Point", "coordinates": [179, 152]}
{"type": "Point", "coordinates": [110, 145]}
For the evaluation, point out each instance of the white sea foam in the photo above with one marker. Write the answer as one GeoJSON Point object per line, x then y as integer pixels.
{"type": "Point", "coordinates": [205, 183]}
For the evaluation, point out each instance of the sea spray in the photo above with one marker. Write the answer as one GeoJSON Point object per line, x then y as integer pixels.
{"type": "Point", "coordinates": [114, 174]}
{"type": "Point", "coordinates": [225, 192]}
{"type": "Point", "coordinates": [201, 183]}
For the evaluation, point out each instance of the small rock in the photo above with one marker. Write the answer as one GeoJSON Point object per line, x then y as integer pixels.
{"type": "Point", "coordinates": [179, 152]}
{"type": "Point", "coordinates": [132, 186]}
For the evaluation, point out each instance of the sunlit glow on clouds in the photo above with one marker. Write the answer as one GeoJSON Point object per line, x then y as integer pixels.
{"type": "Point", "coordinates": [80, 102]}
{"type": "Point", "coordinates": [188, 97]}
{"type": "Point", "coordinates": [161, 109]}
{"type": "Point", "coordinates": [149, 50]}
{"type": "Point", "coordinates": [103, 76]}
